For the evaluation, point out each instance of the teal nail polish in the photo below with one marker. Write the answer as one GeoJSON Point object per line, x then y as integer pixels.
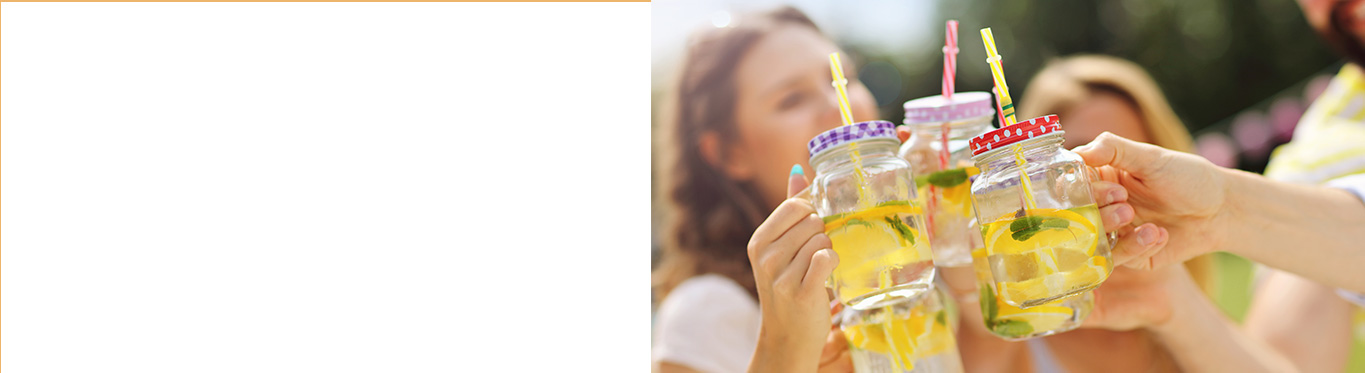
{"type": "Point", "coordinates": [796, 170]}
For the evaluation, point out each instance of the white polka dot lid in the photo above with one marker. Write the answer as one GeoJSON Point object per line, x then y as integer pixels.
{"type": "Point", "coordinates": [936, 109]}
{"type": "Point", "coordinates": [1018, 132]}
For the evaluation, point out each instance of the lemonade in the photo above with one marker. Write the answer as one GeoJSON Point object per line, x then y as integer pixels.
{"type": "Point", "coordinates": [882, 255]}
{"type": "Point", "coordinates": [1037, 256]}
{"type": "Point", "coordinates": [1016, 323]}
{"type": "Point", "coordinates": [910, 336]}
{"type": "Point", "coordinates": [948, 198]}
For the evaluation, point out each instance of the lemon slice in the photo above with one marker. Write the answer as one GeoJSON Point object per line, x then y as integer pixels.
{"type": "Point", "coordinates": [937, 340]}
{"type": "Point", "coordinates": [875, 213]}
{"type": "Point", "coordinates": [1041, 322]}
{"type": "Point", "coordinates": [868, 337]}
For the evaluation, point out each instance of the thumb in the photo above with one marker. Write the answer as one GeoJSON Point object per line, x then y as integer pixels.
{"type": "Point", "coordinates": [797, 181]}
{"type": "Point", "coordinates": [903, 133]}
{"type": "Point", "coordinates": [1111, 150]}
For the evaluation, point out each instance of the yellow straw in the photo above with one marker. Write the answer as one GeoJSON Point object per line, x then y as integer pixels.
{"type": "Point", "coordinates": [1023, 177]}
{"type": "Point", "coordinates": [998, 73]}
{"type": "Point", "coordinates": [839, 85]}
{"type": "Point", "coordinates": [1007, 112]}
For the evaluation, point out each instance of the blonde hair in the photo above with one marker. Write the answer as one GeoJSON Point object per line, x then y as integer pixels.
{"type": "Point", "coordinates": [1065, 83]}
{"type": "Point", "coordinates": [1068, 82]}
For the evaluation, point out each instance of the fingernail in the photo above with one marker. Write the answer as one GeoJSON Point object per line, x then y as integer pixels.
{"type": "Point", "coordinates": [1121, 214]}
{"type": "Point", "coordinates": [1117, 195]}
{"type": "Point", "coordinates": [1146, 236]}
{"type": "Point", "coordinates": [796, 170]}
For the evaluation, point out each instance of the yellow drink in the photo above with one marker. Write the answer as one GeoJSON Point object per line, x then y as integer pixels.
{"type": "Point", "coordinates": [1016, 323]}
{"type": "Point", "coordinates": [882, 256]}
{"type": "Point", "coordinates": [902, 337]}
{"type": "Point", "coordinates": [1037, 256]}
{"type": "Point", "coordinates": [948, 197]}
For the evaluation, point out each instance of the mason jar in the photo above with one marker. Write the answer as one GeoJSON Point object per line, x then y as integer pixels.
{"type": "Point", "coordinates": [865, 194]}
{"type": "Point", "coordinates": [939, 155]}
{"type": "Point", "coordinates": [1040, 225]}
{"type": "Point", "coordinates": [913, 335]}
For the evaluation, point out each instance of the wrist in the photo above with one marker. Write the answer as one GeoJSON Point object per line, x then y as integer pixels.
{"type": "Point", "coordinates": [1231, 218]}
{"type": "Point", "coordinates": [777, 352]}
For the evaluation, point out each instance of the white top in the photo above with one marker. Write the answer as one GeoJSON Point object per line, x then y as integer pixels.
{"type": "Point", "coordinates": [708, 323]}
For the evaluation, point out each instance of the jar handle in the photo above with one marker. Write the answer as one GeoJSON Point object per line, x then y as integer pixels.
{"type": "Point", "coordinates": [1093, 174]}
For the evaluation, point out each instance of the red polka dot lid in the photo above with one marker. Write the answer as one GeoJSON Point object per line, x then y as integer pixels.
{"type": "Point", "coordinates": [1012, 134]}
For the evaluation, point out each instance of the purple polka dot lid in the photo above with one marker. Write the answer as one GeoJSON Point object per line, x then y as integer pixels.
{"type": "Point", "coordinates": [937, 109]}
{"type": "Point", "coordinates": [851, 133]}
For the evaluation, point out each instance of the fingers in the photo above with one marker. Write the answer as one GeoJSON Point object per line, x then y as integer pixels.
{"type": "Point", "coordinates": [799, 265]}
{"type": "Point", "coordinates": [835, 356]}
{"type": "Point", "coordinates": [835, 343]}
{"type": "Point", "coordinates": [843, 363]}
{"type": "Point", "coordinates": [1107, 193]}
{"type": "Point", "coordinates": [810, 231]}
{"type": "Point", "coordinates": [821, 266]}
{"type": "Point", "coordinates": [1111, 150]}
{"type": "Point", "coordinates": [1116, 216]}
{"type": "Point", "coordinates": [796, 181]}
{"type": "Point", "coordinates": [788, 214]}
{"type": "Point", "coordinates": [1136, 249]}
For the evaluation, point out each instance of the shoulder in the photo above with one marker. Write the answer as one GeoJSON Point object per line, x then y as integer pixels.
{"type": "Point", "coordinates": [709, 323]}
{"type": "Point", "coordinates": [706, 299]}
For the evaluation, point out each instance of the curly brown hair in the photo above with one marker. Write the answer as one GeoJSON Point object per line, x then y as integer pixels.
{"type": "Point", "coordinates": [711, 216]}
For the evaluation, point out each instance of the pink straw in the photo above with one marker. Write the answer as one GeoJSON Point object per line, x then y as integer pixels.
{"type": "Point", "coordinates": [949, 77]}
{"type": "Point", "coordinates": [950, 59]}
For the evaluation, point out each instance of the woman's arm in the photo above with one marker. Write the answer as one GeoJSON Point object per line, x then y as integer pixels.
{"type": "Point", "coordinates": [1202, 339]}
{"type": "Point", "coordinates": [1315, 232]}
{"type": "Point", "coordinates": [1312, 231]}
{"type": "Point", "coordinates": [1306, 321]}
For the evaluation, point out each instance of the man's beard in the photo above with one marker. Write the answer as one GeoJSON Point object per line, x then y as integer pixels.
{"type": "Point", "coordinates": [1338, 33]}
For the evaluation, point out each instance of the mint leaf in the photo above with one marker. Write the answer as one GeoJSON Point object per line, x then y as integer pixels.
{"type": "Point", "coordinates": [1057, 223]}
{"type": "Point", "coordinates": [1024, 235]}
{"type": "Point", "coordinates": [900, 228]}
{"type": "Point", "coordinates": [1024, 228]}
{"type": "Point", "coordinates": [988, 306]}
{"type": "Point", "coordinates": [948, 178]}
{"type": "Point", "coordinates": [1024, 223]}
{"type": "Point", "coordinates": [942, 318]}
{"type": "Point", "coordinates": [1013, 328]}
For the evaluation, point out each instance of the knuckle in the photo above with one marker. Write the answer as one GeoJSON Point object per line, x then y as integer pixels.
{"type": "Point", "coordinates": [822, 241]}
{"type": "Point", "coordinates": [769, 265]}
{"type": "Point", "coordinates": [800, 206]}
{"type": "Point", "coordinates": [785, 288]}
{"type": "Point", "coordinates": [813, 220]}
